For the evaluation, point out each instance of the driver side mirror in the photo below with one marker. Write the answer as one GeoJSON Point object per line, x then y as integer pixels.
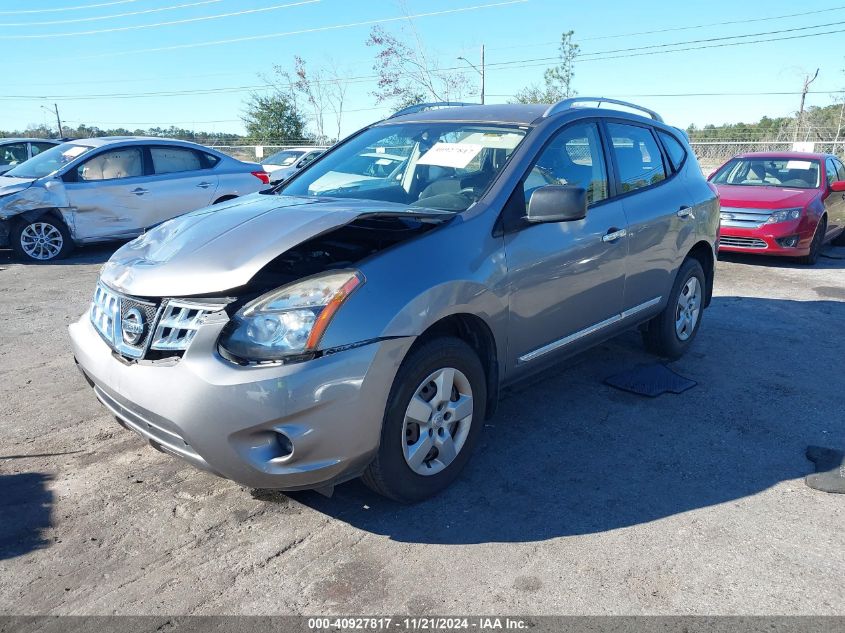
{"type": "Point", "coordinates": [557, 203]}
{"type": "Point", "coordinates": [838, 185]}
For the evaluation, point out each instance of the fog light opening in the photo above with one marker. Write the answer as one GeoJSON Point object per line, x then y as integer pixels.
{"type": "Point", "coordinates": [788, 242]}
{"type": "Point", "coordinates": [284, 447]}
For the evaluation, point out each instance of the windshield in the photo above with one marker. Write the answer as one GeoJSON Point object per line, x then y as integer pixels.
{"type": "Point", "coordinates": [769, 172]}
{"type": "Point", "coordinates": [284, 158]}
{"type": "Point", "coordinates": [445, 166]}
{"type": "Point", "coordinates": [48, 161]}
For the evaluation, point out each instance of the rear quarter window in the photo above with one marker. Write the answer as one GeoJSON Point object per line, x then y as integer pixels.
{"type": "Point", "coordinates": [674, 148]}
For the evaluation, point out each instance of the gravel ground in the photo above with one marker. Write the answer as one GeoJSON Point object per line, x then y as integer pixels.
{"type": "Point", "coordinates": [581, 500]}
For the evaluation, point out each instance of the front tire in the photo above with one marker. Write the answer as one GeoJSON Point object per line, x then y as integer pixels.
{"type": "Point", "coordinates": [671, 332]}
{"type": "Point", "coordinates": [432, 421]}
{"type": "Point", "coordinates": [816, 245]}
{"type": "Point", "coordinates": [42, 240]}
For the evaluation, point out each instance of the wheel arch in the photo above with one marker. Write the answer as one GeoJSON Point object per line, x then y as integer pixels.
{"type": "Point", "coordinates": [475, 332]}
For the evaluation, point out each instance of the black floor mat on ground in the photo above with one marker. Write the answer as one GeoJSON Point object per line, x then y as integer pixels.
{"type": "Point", "coordinates": [830, 469]}
{"type": "Point", "coordinates": [650, 380]}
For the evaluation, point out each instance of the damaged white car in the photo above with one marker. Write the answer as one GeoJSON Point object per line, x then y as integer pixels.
{"type": "Point", "coordinates": [112, 188]}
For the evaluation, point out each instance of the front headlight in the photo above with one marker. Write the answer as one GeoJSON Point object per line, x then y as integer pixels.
{"type": "Point", "coordinates": [784, 215]}
{"type": "Point", "coordinates": [289, 321]}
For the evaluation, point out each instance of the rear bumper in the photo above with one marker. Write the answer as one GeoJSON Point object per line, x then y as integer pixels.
{"type": "Point", "coordinates": [763, 240]}
{"type": "Point", "coordinates": [227, 419]}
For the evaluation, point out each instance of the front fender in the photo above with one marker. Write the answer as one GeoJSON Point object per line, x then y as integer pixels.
{"type": "Point", "coordinates": [36, 199]}
{"type": "Point", "coordinates": [459, 268]}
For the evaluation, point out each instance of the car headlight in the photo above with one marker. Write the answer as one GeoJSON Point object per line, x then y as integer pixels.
{"type": "Point", "coordinates": [784, 215]}
{"type": "Point", "coordinates": [289, 321]}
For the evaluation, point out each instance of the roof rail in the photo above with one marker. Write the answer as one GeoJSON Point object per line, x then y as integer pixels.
{"type": "Point", "coordinates": [420, 107]}
{"type": "Point", "coordinates": [567, 104]}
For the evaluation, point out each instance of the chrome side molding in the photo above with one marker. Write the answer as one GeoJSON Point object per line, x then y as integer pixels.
{"type": "Point", "coordinates": [567, 340]}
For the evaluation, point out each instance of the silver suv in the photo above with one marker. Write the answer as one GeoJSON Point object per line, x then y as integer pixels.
{"type": "Point", "coordinates": [307, 336]}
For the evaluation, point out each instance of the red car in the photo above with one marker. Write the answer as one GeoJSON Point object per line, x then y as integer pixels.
{"type": "Point", "coordinates": [781, 203]}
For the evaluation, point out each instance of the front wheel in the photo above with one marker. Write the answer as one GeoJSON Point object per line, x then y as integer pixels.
{"type": "Point", "coordinates": [816, 245]}
{"type": "Point", "coordinates": [433, 419]}
{"type": "Point", "coordinates": [42, 240]}
{"type": "Point", "coordinates": [671, 332]}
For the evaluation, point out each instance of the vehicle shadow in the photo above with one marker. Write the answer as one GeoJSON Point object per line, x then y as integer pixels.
{"type": "Point", "coordinates": [831, 258]}
{"type": "Point", "coordinates": [567, 454]}
{"type": "Point", "coordinates": [27, 505]}
{"type": "Point", "coordinates": [96, 254]}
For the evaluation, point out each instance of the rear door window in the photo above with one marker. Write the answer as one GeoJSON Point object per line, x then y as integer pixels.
{"type": "Point", "coordinates": [37, 148]}
{"type": "Point", "coordinates": [169, 160]}
{"type": "Point", "coordinates": [638, 158]}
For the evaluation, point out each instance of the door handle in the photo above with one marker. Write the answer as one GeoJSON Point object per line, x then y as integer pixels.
{"type": "Point", "coordinates": [614, 234]}
{"type": "Point", "coordinates": [139, 192]}
{"type": "Point", "coordinates": [204, 185]}
{"type": "Point", "coordinates": [684, 212]}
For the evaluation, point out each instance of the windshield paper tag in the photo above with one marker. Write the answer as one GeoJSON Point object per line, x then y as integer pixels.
{"type": "Point", "coordinates": [799, 164]}
{"type": "Point", "coordinates": [457, 155]}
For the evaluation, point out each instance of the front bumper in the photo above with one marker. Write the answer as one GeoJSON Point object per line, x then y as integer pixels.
{"type": "Point", "coordinates": [763, 240]}
{"type": "Point", "coordinates": [226, 419]}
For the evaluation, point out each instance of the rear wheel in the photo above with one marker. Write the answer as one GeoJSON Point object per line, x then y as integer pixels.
{"type": "Point", "coordinates": [671, 332]}
{"type": "Point", "coordinates": [433, 419]}
{"type": "Point", "coordinates": [42, 240]}
{"type": "Point", "coordinates": [816, 245]}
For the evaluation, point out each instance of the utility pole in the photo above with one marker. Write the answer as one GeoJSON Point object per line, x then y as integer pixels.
{"type": "Point", "coordinates": [807, 81]}
{"type": "Point", "coordinates": [481, 71]}
{"type": "Point", "coordinates": [58, 121]}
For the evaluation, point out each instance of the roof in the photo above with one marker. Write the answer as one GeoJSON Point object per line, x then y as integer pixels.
{"type": "Point", "coordinates": [520, 113]}
{"type": "Point", "coordinates": [796, 155]}
{"type": "Point", "coordinates": [29, 140]}
{"type": "Point", "coordinates": [101, 141]}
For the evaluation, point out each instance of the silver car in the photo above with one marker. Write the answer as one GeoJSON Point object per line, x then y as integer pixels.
{"type": "Point", "coordinates": [285, 163]}
{"type": "Point", "coordinates": [14, 151]}
{"type": "Point", "coordinates": [100, 189]}
{"type": "Point", "coordinates": [292, 340]}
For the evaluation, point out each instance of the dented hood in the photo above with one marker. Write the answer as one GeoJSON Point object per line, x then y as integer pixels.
{"type": "Point", "coordinates": [218, 248]}
{"type": "Point", "coordinates": [8, 184]}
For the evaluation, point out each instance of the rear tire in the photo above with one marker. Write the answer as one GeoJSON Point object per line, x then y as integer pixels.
{"type": "Point", "coordinates": [816, 245]}
{"type": "Point", "coordinates": [432, 422]}
{"type": "Point", "coordinates": [671, 333]}
{"type": "Point", "coordinates": [42, 240]}
{"type": "Point", "coordinates": [840, 239]}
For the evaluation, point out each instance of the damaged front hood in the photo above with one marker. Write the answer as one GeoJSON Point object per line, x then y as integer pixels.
{"type": "Point", "coordinates": [219, 248]}
{"type": "Point", "coordinates": [8, 184]}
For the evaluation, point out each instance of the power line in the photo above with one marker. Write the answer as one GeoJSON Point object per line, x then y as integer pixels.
{"type": "Point", "coordinates": [678, 28]}
{"type": "Point", "coordinates": [523, 63]}
{"type": "Point", "coordinates": [136, 27]}
{"type": "Point", "coordinates": [79, 8]}
{"type": "Point", "coordinates": [112, 16]}
{"type": "Point", "coordinates": [335, 27]}
{"type": "Point", "coordinates": [718, 39]}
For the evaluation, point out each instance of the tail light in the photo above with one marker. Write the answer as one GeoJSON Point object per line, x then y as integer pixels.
{"type": "Point", "coordinates": [263, 176]}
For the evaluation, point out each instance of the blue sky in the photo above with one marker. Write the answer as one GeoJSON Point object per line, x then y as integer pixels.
{"type": "Point", "coordinates": [177, 57]}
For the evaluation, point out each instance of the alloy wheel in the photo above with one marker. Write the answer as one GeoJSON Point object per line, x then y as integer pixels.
{"type": "Point", "coordinates": [437, 421]}
{"type": "Point", "coordinates": [41, 240]}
